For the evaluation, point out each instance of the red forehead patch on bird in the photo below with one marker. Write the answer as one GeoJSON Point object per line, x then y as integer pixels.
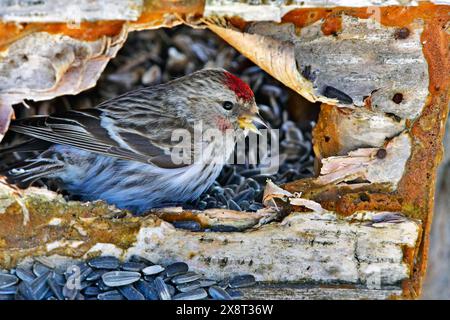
{"type": "Point", "coordinates": [241, 89]}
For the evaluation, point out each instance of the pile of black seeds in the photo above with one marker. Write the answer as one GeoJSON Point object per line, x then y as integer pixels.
{"type": "Point", "coordinates": [157, 56]}
{"type": "Point", "coordinates": [106, 278]}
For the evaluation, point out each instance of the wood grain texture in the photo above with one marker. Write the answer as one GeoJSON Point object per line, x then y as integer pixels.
{"type": "Point", "coordinates": [365, 249]}
{"type": "Point", "coordinates": [281, 291]}
{"type": "Point", "coordinates": [69, 11]}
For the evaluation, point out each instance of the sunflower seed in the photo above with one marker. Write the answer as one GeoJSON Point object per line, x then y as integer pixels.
{"type": "Point", "coordinates": [186, 287]}
{"type": "Point", "coordinates": [217, 293]}
{"type": "Point", "coordinates": [244, 204]}
{"type": "Point", "coordinates": [202, 205]}
{"type": "Point", "coordinates": [248, 194]}
{"type": "Point", "coordinates": [235, 179]}
{"type": "Point", "coordinates": [55, 288]}
{"type": "Point", "coordinates": [185, 278]}
{"type": "Point", "coordinates": [19, 297]}
{"type": "Point", "coordinates": [188, 225]}
{"type": "Point", "coordinates": [228, 193]}
{"type": "Point", "coordinates": [102, 286]}
{"type": "Point", "coordinates": [224, 228]}
{"type": "Point", "coordinates": [5, 297]}
{"type": "Point", "coordinates": [9, 290]}
{"type": "Point", "coordinates": [196, 294]}
{"type": "Point", "coordinates": [25, 275]}
{"type": "Point", "coordinates": [79, 296]}
{"type": "Point", "coordinates": [161, 289]}
{"type": "Point", "coordinates": [235, 294]}
{"type": "Point", "coordinates": [110, 295]}
{"type": "Point", "coordinates": [25, 292]}
{"type": "Point", "coordinates": [45, 261]}
{"type": "Point", "coordinates": [7, 280]}
{"type": "Point", "coordinates": [211, 203]}
{"type": "Point", "coordinates": [171, 289]}
{"type": "Point", "coordinates": [176, 269]}
{"type": "Point", "coordinates": [222, 198]}
{"type": "Point", "coordinates": [207, 282]}
{"type": "Point", "coordinates": [242, 281]}
{"type": "Point", "coordinates": [120, 278]}
{"type": "Point", "coordinates": [251, 183]}
{"type": "Point", "coordinates": [233, 205]}
{"type": "Point", "coordinates": [133, 266]}
{"type": "Point", "coordinates": [271, 90]}
{"type": "Point", "coordinates": [48, 294]}
{"type": "Point", "coordinates": [147, 290]}
{"type": "Point", "coordinates": [255, 206]}
{"type": "Point", "coordinates": [91, 291]}
{"type": "Point", "coordinates": [139, 259]}
{"type": "Point", "coordinates": [130, 293]}
{"type": "Point", "coordinates": [95, 275]}
{"type": "Point", "coordinates": [225, 283]}
{"type": "Point", "coordinates": [86, 272]}
{"type": "Point", "coordinates": [106, 262]}
{"type": "Point", "coordinates": [150, 278]}
{"type": "Point", "coordinates": [59, 278]}
{"type": "Point", "coordinates": [151, 270]}
{"type": "Point", "coordinates": [333, 93]}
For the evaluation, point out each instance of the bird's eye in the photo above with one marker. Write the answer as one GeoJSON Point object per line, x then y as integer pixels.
{"type": "Point", "coordinates": [228, 105]}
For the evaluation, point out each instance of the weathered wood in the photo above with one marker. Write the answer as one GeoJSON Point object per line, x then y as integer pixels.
{"type": "Point", "coordinates": [275, 10]}
{"type": "Point", "coordinates": [42, 66]}
{"type": "Point", "coordinates": [319, 292]}
{"type": "Point", "coordinates": [370, 248]}
{"type": "Point", "coordinates": [437, 281]}
{"type": "Point", "coordinates": [68, 10]}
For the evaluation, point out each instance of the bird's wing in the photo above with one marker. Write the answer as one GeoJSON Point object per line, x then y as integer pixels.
{"type": "Point", "coordinates": [95, 131]}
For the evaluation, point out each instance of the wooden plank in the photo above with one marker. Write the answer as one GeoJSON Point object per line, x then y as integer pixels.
{"type": "Point", "coordinates": [288, 291]}
{"type": "Point", "coordinates": [367, 248]}
{"type": "Point", "coordinates": [275, 10]}
{"type": "Point", "coordinates": [69, 11]}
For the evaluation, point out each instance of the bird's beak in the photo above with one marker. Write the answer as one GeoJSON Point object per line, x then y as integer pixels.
{"type": "Point", "coordinates": [246, 123]}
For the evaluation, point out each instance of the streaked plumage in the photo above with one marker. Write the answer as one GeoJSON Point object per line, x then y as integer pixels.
{"type": "Point", "coordinates": [120, 151]}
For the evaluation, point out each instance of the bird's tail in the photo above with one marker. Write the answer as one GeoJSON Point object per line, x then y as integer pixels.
{"type": "Point", "coordinates": [27, 146]}
{"type": "Point", "coordinates": [25, 172]}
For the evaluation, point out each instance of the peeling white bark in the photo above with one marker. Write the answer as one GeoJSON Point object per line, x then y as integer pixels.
{"type": "Point", "coordinates": [42, 66]}
{"type": "Point", "coordinates": [275, 10]}
{"type": "Point", "coordinates": [361, 128]}
{"type": "Point", "coordinates": [305, 247]}
{"type": "Point", "coordinates": [365, 164]}
{"type": "Point", "coordinates": [69, 10]}
{"type": "Point", "coordinates": [365, 248]}
{"type": "Point", "coordinates": [363, 60]}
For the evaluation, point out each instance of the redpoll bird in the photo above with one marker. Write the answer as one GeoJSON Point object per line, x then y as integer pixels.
{"type": "Point", "coordinates": [121, 150]}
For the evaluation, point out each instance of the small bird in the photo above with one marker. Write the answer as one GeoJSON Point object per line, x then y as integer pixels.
{"type": "Point", "coordinates": [121, 150]}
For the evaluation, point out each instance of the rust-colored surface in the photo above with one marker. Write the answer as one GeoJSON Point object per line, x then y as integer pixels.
{"type": "Point", "coordinates": [332, 25]}
{"type": "Point", "coordinates": [94, 224]}
{"type": "Point", "coordinates": [415, 193]}
{"type": "Point", "coordinates": [153, 14]}
{"type": "Point", "coordinates": [388, 15]}
{"type": "Point", "coordinates": [418, 184]}
{"type": "Point", "coordinates": [88, 31]}
{"type": "Point", "coordinates": [325, 139]}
